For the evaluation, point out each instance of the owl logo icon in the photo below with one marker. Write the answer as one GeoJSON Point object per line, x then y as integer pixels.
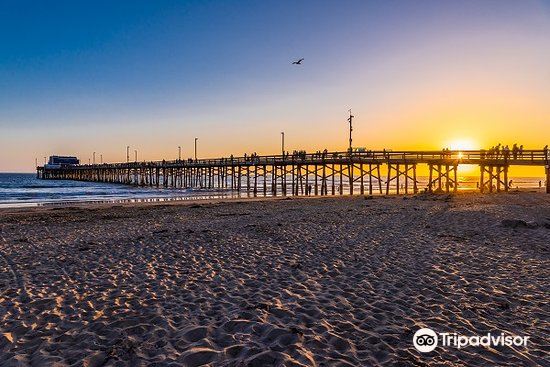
{"type": "Point", "coordinates": [425, 340]}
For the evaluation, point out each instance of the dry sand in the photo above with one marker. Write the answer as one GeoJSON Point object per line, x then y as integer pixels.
{"type": "Point", "coordinates": [301, 282]}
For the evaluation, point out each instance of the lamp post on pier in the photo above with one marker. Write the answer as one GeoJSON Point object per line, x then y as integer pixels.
{"type": "Point", "coordinates": [101, 158]}
{"type": "Point", "coordinates": [196, 148]}
{"type": "Point", "coordinates": [127, 154]}
{"type": "Point", "coordinates": [94, 157]}
{"type": "Point", "coordinates": [135, 153]}
{"type": "Point", "coordinates": [35, 162]}
{"type": "Point", "coordinates": [283, 142]}
{"type": "Point", "coordinates": [179, 153]}
{"type": "Point", "coordinates": [350, 120]}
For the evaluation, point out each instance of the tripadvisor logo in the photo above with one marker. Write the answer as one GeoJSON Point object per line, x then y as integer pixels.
{"type": "Point", "coordinates": [425, 340]}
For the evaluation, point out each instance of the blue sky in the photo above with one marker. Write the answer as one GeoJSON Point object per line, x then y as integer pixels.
{"type": "Point", "coordinates": [84, 76]}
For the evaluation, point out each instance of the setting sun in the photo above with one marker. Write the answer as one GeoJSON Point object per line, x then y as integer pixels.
{"type": "Point", "coordinates": [463, 144]}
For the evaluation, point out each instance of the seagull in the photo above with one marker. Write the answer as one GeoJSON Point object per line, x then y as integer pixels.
{"type": "Point", "coordinates": [299, 62]}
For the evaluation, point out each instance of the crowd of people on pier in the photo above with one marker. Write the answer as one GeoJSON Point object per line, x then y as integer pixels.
{"type": "Point", "coordinates": [516, 152]}
{"type": "Point", "coordinates": [499, 151]}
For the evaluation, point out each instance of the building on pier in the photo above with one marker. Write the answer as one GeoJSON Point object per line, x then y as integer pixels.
{"type": "Point", "coordinates": [59, 161]}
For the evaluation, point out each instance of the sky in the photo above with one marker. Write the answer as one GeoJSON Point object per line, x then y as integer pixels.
{"type": "Point", "coordinates": [78, 77]}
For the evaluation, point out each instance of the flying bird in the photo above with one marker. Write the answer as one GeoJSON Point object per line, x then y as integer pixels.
{"type": "Point", "coordinates": [299, 62]}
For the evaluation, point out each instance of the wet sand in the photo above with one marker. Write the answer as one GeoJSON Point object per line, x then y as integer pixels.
{"type": "Point", "coordinates": [299, 282]}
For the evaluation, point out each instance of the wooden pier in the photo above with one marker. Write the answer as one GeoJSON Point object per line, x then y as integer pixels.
{"type": "Point", "coordinates": [322, 173]}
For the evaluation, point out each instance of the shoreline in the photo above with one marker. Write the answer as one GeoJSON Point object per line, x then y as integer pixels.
{"type": "Point", "coordinates": [234, 197]}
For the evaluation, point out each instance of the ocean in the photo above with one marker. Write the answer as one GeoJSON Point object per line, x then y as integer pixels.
{"type": "Point", "coordinates": [24, 189]}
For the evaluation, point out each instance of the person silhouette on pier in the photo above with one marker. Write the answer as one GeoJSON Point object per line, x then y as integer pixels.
{"type": "Point", "coordinates": [506, 152]}
{"type": "Point", "coordinates": [521, 151]}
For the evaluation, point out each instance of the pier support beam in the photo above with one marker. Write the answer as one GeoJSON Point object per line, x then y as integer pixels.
{"type": "Point", "coordinates": [497, 178]}
{"type": "Point", "coordinates": [443, 178]}
{"type": "Point", "coordinates": [402, 174]}
{"type": "Point", "coordinates": [548, 179]}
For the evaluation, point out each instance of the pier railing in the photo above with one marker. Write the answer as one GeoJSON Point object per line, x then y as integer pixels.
{"type": "Point", "coordinates": [526, 157]}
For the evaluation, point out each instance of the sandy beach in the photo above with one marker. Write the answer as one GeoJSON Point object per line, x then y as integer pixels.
{"type": "Point", "coordinates": [276, 282]}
